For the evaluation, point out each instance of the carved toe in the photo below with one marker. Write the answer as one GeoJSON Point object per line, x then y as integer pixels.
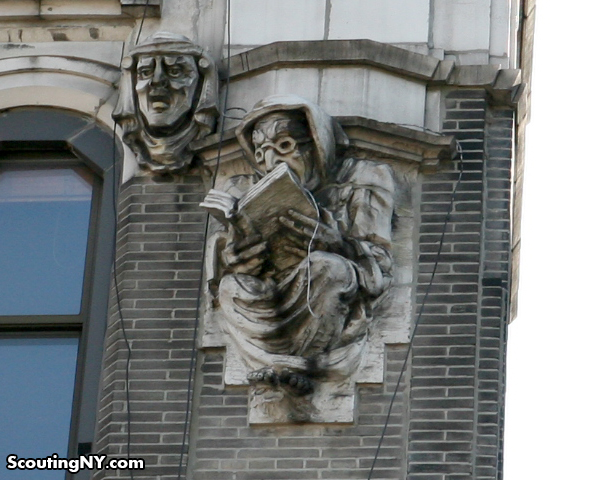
{"type": "Point", "coordinates": [299, 383]}
{"type": "Point", "coordinates": [264, 375]}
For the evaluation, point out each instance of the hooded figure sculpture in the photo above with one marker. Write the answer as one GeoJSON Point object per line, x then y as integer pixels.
{"type": "Point", "coordinates": [168, 100]}
{"type": "Point", "coordinates": [306, 320]}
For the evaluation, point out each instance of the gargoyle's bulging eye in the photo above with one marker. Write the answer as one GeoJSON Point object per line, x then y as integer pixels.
{"type": "Point", "coordinates": [286, 145]}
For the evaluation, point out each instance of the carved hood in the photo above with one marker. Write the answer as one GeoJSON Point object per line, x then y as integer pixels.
{"type": "Point", "coordinates": [327, 134]}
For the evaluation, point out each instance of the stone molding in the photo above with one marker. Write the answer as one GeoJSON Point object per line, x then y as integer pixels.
{"type": "Point", "coordinates": [371, 138]}
{"type": "Point", "coordinates": [65, 9]}
{"type": "Point", "coordinates": [504, 85]}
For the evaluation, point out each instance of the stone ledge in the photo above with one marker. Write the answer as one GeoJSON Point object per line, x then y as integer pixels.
{"type": "Point", "coordinates": [78, 9]}
{"type": "Point", "coordinates": [100, 72]}
{"type": "Point", "coordinates": [135, 8]}
{"type": "Point", "coordinates": [371, 138]}
{"type": "Point", "coordinates": [504, 86]}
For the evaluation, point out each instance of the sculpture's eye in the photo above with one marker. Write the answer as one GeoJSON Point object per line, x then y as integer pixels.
{"type": "Point", "coordinates": [259, 155]}
{"type": "Point", "coordinates": [175, 71]}
{"type": "Point", "coordinates": [285, 145]}
{"type": "Point", "coordinates": [144, 73]}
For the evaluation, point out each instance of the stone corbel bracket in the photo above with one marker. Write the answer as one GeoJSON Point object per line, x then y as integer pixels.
{"type": "Point", "coordinates": [409, 151]}
{"type": "Point", "coordinates": [367, 138]}
{"type": "Point", "coordinates": [389, 142]}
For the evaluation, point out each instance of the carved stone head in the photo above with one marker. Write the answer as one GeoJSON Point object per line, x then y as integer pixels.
{"type": "Point", "coordinates": [168, 99]}
{"type": "Point", "coordinates": [289, 129]}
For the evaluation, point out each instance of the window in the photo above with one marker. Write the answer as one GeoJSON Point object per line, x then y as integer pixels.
{"type": "Point", "coordinates": [56, 232]}
{"type": "Point", "coordinates": [44, 221]}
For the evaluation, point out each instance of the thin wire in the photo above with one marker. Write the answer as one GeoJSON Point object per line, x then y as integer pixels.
{"type": "Point", "coordinates": [193, 363]}
{"type": "Point", "coordinates": [137, 39]}
{"type": "Point", "coordinates": [420, 314]}
{"type": "Point", "coordinates": [309, 261]}
{"type": "Point", "coordinates": [117, 291]}
{"type": "Point", "coordinates": [115, 277]}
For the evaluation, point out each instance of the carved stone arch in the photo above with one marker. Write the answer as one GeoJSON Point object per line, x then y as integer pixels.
{"type": "Point", "coordinates": [46, 137]}
{"type": "Point", "coordinates": [84, 87]}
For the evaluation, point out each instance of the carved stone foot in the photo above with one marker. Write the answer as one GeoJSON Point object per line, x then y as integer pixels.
{"type": "Point", "coordinates": [264, 375]}
{"type": "Point", "coordinates": [297, 383]}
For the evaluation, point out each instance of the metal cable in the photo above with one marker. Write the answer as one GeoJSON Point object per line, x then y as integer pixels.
{"type": "Point", "coordinates": [421, 309]}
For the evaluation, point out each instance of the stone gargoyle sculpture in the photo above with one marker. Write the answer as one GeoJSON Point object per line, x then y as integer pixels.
{"type": "Point", "coordinates": [303, 253]}
{"type": "Point", "coordinates": [168, 100]}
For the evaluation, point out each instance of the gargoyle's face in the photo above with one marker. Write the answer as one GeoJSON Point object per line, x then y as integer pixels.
{"type": "Point", "coordinates": [279, 138]}
{"type": "Point", "coordinates": [165, 87]}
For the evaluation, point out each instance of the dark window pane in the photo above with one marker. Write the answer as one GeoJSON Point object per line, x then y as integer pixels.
{"type": "Point", "coordinates": [44, 220]}
{"type": "Point", "coordinates": [37, 386]}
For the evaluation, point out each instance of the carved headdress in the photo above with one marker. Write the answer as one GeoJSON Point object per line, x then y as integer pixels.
{"type": "Point", "coordinates": [326, 133]}
{"type": "Point", "coordinates": [173, 151]}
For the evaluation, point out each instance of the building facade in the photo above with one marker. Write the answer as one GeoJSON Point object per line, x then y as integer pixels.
{"type": "Point", "coordinates": [147, 318]}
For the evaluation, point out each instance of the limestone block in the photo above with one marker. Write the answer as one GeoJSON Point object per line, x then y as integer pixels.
{"type": "Point", "coordinates": [433, 109]}
{"type": "Point", "coordinates": [395, 100]}
{"type": "Point", "coordinates": [461, 25]}
{"type": "Point", "coordinates": [344, 91]}
{"type": "Point", "coordinates": [179, 17]}
{"type": "Point", "coordinates": [244, 93]}
{"type": "Point", "coordinates": [17, 8]}
{"type": "Point", "coordinates": [76, 7]}
{"type": "Point", "coordinates": [211, 26]}
{"type": "Point", "coordinates": [47, 64]}
{"type": "Point", "coordinates": [341, 91]}
{"type": "Point", "coordinates": [103, 52]}
{"type": "Point", "coordinates": [389, 21]}
{"type": "Point", "coordinates": [384, 97]}
{"type": "Point", "coordinates": [472, 58]}
{"type": "Point", "coordinates": [500, 28]}
{"type": "Point", "coordinates": [256, 22]}
{"type": "Point", "coordinates": [48, 96]}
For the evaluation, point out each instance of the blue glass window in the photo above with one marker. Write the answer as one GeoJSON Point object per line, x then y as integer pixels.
{"type": "Point", "coordinates": [44, 222]}
{"type": "Point", "coordinates": [37, 377]}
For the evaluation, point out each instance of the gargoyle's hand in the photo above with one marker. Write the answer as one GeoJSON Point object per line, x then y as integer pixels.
{"type": "Point", "coordinates": [246, 255]}
{"type": "Point", "coordinates": [303, 230]}
{"type": "Point", "coordinates": [220, 204]}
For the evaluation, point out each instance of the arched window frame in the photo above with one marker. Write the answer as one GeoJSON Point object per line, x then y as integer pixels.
{"type": "Point", "coordinates": [68, 138]}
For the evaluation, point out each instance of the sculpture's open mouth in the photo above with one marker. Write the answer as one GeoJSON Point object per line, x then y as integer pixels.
{"type": "Point", "coordinates": [158, 100]}
{"type": "Point", "coordinates": [159, 104]}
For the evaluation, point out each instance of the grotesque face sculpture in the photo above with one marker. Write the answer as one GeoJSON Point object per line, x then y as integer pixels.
{"type": "Point", "coordinates": [283, 137]}
{"type": "Point", "coordinates": [165, 87]}
{"type": "Point", "coordinates": [168, 100]}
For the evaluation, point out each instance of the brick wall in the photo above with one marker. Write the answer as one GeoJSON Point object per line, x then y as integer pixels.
{"type": "Point", "coordinates": [457, 383]}
{"type": "Point", "coordinates": [159, 247]}
{"type": "Point", "coordinates": [446, 422]}
{"type": "Point", "coordinates": [227, 448]}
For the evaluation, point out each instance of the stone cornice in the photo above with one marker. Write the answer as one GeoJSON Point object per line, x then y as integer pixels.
{"type": "Point", "coordinates": [504, 85]}
{"type": "Point", "coordinates": [68, 9]}
{"type": "Point", "coordinates": [367, 138]}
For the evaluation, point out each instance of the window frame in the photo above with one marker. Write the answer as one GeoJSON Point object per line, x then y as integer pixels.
{"type": "Point", "coordinates": [40, 137]}
{"type": "Point", "coordinates": [48, 159]}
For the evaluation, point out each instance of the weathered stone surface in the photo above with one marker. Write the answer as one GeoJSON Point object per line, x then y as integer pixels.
{"type": "Point", "coordinates": [380, 20]}
{"type": "Point", "coordinates": [459, 25]}
{"type": "Point", "coordinates": [302, 348]}
{"type": "Point", "coordinates": [168, 100]}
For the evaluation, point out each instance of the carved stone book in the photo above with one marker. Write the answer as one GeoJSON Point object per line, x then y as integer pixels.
{"type": "Point", "coordinates": [270, 198]}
